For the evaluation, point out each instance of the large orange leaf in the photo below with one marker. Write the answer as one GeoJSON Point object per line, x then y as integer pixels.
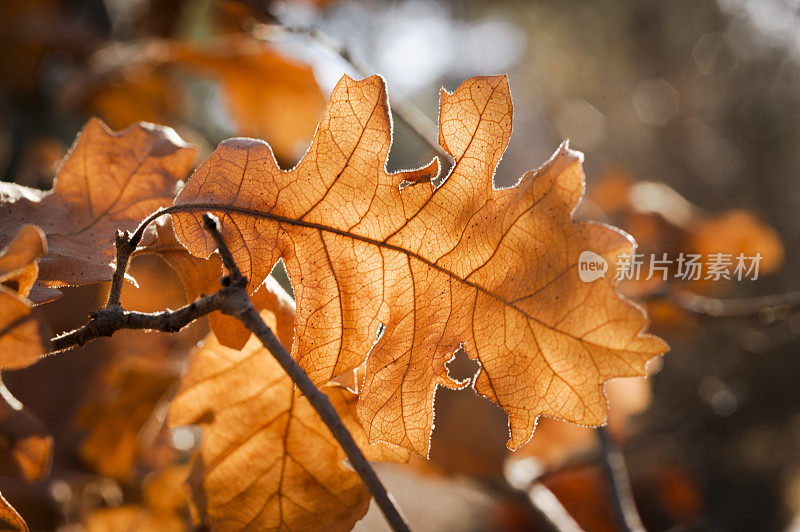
{"type": "Point", "coordinates": [109, 181]}
{"type": "Point", "coordinates": [462, 264]}
{"type": "Point", "coordinates": [267, 460]}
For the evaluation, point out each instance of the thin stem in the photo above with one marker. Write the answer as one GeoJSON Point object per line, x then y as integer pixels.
{"type": "Point", "coordinates": [106, 321]}
{"type": "Point", "coordinates": [240, 306]}
{"type": "Point", "coordinates": [211, 223]}
{"type": "Point", "coordinates": [126, 244]}
{"type": "Point", "coordinates": [621, 495]}
{"type": "Point", "coordinates": [252, 320]}
{"type": "Point", "coordinates": [124, 251]}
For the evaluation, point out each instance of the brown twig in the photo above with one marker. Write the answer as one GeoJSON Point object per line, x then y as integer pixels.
{"type": "Point", "coordinates": [240, 306]}
{"type": "Point", "coordinates": [232, 299]}
{"type": "Point", "coordinates": [109, 320]}
{"type": "Point", "coordinates": [617, 475]}
{"type": "Point", "coordinates": [252, 320]}
{"type": "Point", "coordinates": [124, 251]}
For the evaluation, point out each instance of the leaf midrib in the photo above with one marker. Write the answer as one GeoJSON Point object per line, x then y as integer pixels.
{"type": "Point", "coordinates": [195, 207]}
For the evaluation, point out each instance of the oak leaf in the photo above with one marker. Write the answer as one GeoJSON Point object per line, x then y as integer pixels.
{"type": "Point", "coordinates": [23, 334]}
{"type": "Point", "coordinates": [267, 460]}
{"type": "Point", "coordinates": [108, 182]}
{"type": "Point", "coordinates": [464, 264]}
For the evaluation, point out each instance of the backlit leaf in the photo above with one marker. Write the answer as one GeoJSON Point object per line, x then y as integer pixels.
{"type": "Point", "coordinates": [463, 264]}
{"type": "Point", "coordinates": [109, 181]}
{"type": "Point", "coordinates": [23, 334]}
{"type": "Point", "coordinates": [19, 260]}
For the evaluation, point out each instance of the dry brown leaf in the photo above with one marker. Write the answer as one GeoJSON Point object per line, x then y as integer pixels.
{"type": "Point", "coordinates": [19, 260]}
{"type": "Point", "coordinates": [115, 417]}
{"type": "Point", "coordinates": [26, 447]}
{"type": "Point", "coordinates": [109, 181]}
{"type": "Point", "coordinates": [493, 270]}
{"type": "Point", "coordinates": [734, 232]}
{"type": "Point", "coordinates": [267, 460]}
{"type": "Point", "coordinates": [23, 334]}
{"type": "Point", "coordinates": [268, 95]}
{"type": "Point", "coordinates": [162, 509]}
{"type": "Point", "coordinates": [199, 277]}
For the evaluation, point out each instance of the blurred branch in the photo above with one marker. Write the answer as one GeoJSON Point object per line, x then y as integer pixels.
{"type": "Point", "coordinates": [541, 505]}
{"type": "Point", "coordinates": [402, 109]}
{"type": "Point", "coordinates": [617, 474]}
{"type": "Point", "coordinates": [763, 307]}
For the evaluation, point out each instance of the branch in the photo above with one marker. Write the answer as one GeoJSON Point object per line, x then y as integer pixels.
{"type": "Point", "coordinates": [402, 109]}
{"type": "Point", "coordinates": [232, 299]}
{"type": "Point", "coordinates": [240, 306]}
{"type": "Point", "coordinates": [112, 318]}
{"type": "Point", "coordinates": [540, 504]}
{"type": "Point", "coordinates": [756, 307]}
{"type": "Point", "coordinates": [124, 251]}
{"type": "Point", "coordinates": [621, 495]}
{"type": "Point", "coordinates": [109, 320]}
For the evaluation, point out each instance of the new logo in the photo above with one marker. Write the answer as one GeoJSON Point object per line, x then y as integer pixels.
{"type": "Point", "coordinates": [591, 266]}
